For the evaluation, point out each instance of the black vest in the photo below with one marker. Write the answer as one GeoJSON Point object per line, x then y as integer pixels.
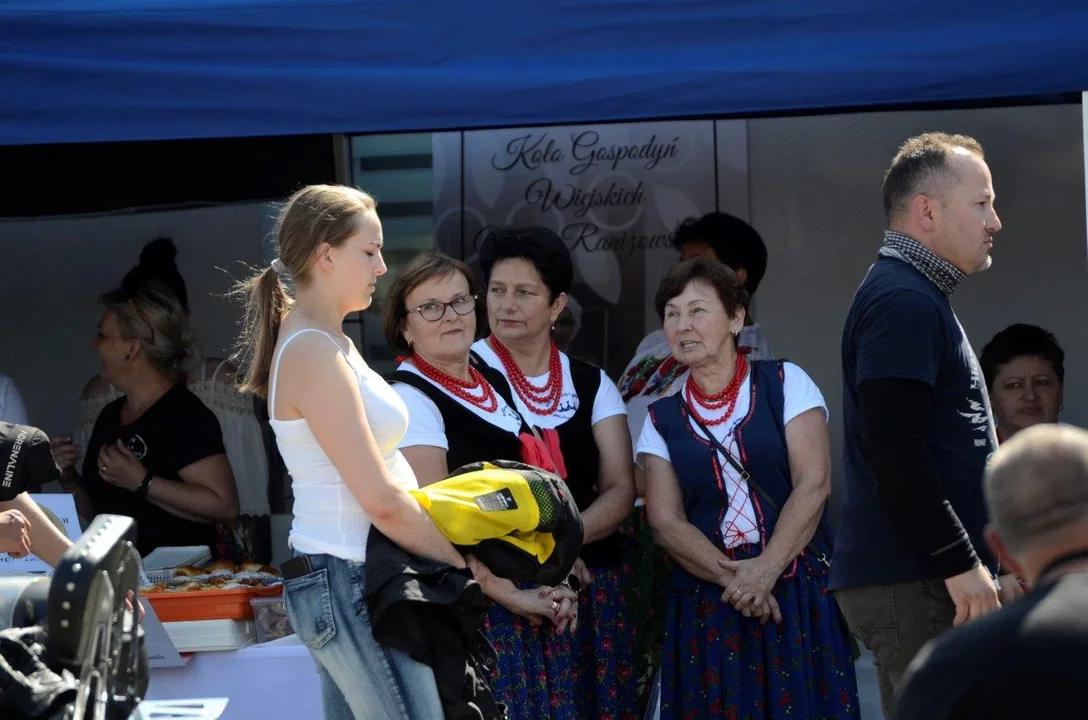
{"type": "Point", "coordinates": [581, 456]}
{"type": "Point", "coordinates": [583, 459]}
{"type": "Point", "coordinates": [470, 438]}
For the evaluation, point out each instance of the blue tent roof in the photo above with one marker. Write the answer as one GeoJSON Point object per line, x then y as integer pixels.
{"type": "Point", "coordinates": [95, 70]}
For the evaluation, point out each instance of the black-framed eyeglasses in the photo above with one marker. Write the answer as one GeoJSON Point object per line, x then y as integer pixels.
{"type": "Point", "coordinates": [433, 311]}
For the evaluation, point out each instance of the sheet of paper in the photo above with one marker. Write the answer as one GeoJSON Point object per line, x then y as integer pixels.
{"type": "Point", "coordinates": [206, 709]}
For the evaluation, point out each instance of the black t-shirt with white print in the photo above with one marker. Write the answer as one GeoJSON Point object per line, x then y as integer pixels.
{"type": "Point", "coordinates": [175, 432]}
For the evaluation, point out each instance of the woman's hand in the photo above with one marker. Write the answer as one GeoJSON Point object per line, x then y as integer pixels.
{"type": "Point", "coordinates": [119, 466]}
{"type": "Point", "coordinates": [533, 605]}
{"type": "Point", "coordinates": [749, 588]}
{"type": "Point", "coordinates": [566, 612]}
{"type": "Point", "coordinates": [559, 605]}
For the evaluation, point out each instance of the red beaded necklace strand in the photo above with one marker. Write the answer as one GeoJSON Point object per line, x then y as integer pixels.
{"type": "Point", "coordinates": [726, 399]}
{"type": "Point", "coordinates": [463, 389]}
{"type": "Point", "coordinates": [541, 400]}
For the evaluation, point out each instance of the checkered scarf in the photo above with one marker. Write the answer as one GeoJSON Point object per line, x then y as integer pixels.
{"type": "Point", "coordinates": [940, 272]}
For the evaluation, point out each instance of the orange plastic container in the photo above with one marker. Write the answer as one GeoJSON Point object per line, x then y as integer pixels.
{"type": "Point", "coordinates": [230, 604]}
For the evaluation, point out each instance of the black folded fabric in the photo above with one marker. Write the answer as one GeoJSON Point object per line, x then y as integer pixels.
{"type": "Point", "coordinates": [433, 612]}
{"type": "Point", "coordinates": [29, 688]}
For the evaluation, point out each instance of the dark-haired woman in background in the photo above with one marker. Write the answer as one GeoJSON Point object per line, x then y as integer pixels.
{"type": "Point", "coordinates": [458, 414]}
{"type": "Point", "coordinates": [1024, 367]}
{"type": "Point", "coordinates": [528, 272]}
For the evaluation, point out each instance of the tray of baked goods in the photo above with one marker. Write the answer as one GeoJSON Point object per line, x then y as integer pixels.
{"type": "Point", "coordinates": [219, 590]}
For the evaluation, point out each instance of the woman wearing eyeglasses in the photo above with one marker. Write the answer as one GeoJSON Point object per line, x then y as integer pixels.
{"type": "Point", "coordinates": [460, 413]}
{"type": "Point", "coordinates": [155, 454]}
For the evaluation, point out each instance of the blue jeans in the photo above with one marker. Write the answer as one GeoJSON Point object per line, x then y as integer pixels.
{"type": "Point", "coordinates": [360, 679]}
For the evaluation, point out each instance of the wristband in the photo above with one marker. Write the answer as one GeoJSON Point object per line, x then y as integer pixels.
{"type": "Point", "coordinates": [145, 485]}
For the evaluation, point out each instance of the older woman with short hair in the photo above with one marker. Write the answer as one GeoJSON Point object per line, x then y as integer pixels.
{"type": "Point", "coordinates": [738, 473]}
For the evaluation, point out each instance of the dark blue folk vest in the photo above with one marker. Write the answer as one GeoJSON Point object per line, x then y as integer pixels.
{"type": "Point", "coordinates": [761, 439]}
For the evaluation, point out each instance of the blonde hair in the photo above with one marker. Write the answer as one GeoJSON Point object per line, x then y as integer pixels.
{"type": "Point", "coordinates": [152, 314]}
{"type": "Point", "coordinates": [314, 215]}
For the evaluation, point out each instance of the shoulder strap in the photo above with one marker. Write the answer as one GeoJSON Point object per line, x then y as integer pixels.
{"type": "Point", "coordinates": [765, 496]}
{"type": "Point", "coordinates": [771, 373]}
{"type": "Point", "coordinates": [272, 378]}
{"type": "Point", "coordinates": [499, 384]}
{"type": "Point", "coordinates": [475, 359]}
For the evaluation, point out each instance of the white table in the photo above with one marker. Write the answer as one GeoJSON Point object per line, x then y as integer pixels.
{"type": "Point", "coordinates": [274, 680]}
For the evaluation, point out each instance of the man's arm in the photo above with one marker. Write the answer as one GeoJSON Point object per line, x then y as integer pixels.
{"type": "Point", "coordinates": [900, 349]}
{"type": "Point", "coordinates": [893, 419]}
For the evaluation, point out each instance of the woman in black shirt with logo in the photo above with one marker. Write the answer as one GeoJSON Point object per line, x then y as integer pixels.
{"type": "Point", "coordinates": [156, 454]}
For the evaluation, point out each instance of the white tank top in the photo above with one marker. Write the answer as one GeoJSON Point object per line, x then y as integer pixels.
{"type": "Point", "coordinates": [327, 518]}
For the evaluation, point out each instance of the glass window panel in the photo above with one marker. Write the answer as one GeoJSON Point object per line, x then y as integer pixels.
{"type": "Point", "coordinates": [397, 170]}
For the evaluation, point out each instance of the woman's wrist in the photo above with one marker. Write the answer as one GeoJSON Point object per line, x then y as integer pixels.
{"type": "Point", "coordinates": [145, 485]}
{"type": "Point", "coordinates": [772, 558]}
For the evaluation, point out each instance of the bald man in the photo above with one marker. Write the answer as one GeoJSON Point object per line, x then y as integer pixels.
{"type": "Point", "coordinates": [1029, 660]}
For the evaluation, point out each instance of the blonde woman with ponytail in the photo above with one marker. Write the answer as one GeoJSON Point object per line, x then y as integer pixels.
{"type": "Point", "coordinates": [156, 453]}
{"type": "Point", "coordinates": [337, 426]}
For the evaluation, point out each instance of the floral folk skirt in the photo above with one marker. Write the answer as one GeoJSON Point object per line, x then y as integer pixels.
{"type": "Point", "coordinates": [716, 663]}
{"type": "Point", "coordinates": [533, 675]}
{"type": "Point", "coordinates": [605, 681]}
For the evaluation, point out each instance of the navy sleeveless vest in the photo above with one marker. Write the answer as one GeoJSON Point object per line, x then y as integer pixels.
{"type": "Point", "coordinates": [761, 439]}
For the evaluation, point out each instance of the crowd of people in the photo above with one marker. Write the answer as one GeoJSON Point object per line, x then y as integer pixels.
{"type": "Point", "coordinates": [709, 583]}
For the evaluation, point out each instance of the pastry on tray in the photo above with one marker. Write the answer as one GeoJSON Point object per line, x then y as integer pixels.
{"type": "Point", "coordinates": [259, 568]}
{"type": "Point", "coordinates": [217, 575]}
{"type": "Point", "coordinates": [189, 571]}
{"type": "Point", "coordinates": [220, 566]}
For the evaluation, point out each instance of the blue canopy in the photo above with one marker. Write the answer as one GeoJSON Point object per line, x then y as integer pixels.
{"type": "Point", "coordinates": [98, 70]}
